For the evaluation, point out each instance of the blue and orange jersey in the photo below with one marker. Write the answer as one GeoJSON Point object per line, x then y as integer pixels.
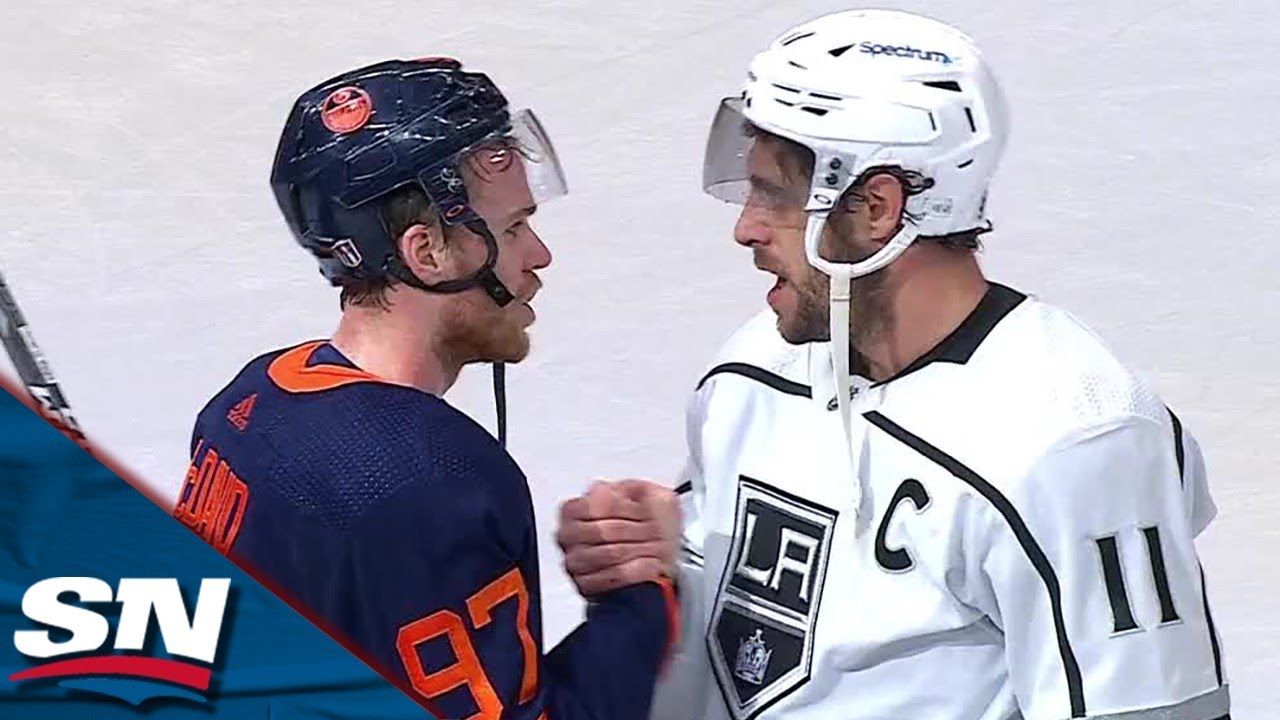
{"type": "Point", "coordinates": [405, 528]}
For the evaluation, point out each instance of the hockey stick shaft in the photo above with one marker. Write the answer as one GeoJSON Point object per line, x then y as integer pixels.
{"type": "Point", "coordinates": [33, 369]}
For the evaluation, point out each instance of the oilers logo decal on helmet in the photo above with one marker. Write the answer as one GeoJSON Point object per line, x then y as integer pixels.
{"type": "Point", "coordinates": [346, 110]}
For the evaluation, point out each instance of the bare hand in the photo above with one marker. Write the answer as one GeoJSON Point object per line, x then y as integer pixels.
{"type": "Point", "coordinates": [619, 534]}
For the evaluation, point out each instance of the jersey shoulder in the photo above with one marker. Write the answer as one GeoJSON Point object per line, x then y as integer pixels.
{"type": "Point", "coordinates": [1041, 383]}
{"type": "Point", "coordinates": [1034, 382]}
{"type": "Point", "coordinates": [1058, 368]}
{"type": "Point", "coordinates": [756, 358]}
{"type": "Point", "coordinates": [348, 442]}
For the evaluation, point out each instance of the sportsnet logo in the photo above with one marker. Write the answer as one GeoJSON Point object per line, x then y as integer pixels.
{"type": "Point", "coordinates": [78, 660]}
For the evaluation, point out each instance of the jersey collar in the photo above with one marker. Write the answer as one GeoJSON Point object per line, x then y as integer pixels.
{"type": "Point", "coordinates": [956, 348]}
{"type": "Point", "coordinates": [315, 367]}
{"type": "Point", "coordinates": [963, 342]}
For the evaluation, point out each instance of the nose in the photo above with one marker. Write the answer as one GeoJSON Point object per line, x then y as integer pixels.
{"type": "Point", "coordinates": [751, 230]}
{"type": "Point", "coordinates": [540, 257]}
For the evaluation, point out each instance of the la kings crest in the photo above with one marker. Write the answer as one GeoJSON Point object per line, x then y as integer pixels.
{"type": "Point", "coordinates": [760, 639]}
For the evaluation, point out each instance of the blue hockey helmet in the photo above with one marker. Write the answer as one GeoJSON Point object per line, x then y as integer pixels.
{"type": "Point", "coordinates": [366, 133]}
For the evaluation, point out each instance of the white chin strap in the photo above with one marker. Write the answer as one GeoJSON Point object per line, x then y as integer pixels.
{"type": "Point", "coordinates": [842, 276]}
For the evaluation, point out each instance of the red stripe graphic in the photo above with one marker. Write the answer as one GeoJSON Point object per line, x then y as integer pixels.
{"type": "Point", "coordinates": [151, 668]}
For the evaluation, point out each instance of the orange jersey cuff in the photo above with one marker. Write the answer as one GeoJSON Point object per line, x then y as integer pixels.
{"type": "Point", "coordinates": [673, 621]}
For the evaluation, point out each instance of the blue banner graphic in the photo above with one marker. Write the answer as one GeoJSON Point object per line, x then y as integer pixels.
{"type": "Point", "coordinates": [111, 609]}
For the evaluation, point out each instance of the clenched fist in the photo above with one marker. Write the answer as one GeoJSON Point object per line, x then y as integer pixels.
{"type": "Point", "coordinates": [619, 534]}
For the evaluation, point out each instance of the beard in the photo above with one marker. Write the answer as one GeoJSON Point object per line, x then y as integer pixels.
{"type": "Point", "coordinates": [811, 322]}
{"type": "Point", "coordinates": [477, 330]}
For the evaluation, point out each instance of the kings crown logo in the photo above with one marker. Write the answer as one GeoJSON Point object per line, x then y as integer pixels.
{"type": "Point", "coordinates": [753, 659]}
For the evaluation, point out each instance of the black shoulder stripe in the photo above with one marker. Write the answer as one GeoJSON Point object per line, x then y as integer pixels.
{"type": "Point", "coordinates": [1213, 631]}
{"type": "Point", "coordinates": [1075, 686]}
{"type": "Point", "coordinates": [1178, 449]}
{"type": "Point", "coordinates": [1181, 453]}
{"type": "Point", "coordinates": [777, 382]}
{"type": "Point", "coordinates": [684, 487]}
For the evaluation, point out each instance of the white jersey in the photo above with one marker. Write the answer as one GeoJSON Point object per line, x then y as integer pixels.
{"type": "Point", "coordinates": [1023, 548]}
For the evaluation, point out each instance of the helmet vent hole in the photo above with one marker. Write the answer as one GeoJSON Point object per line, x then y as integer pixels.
{"type": "Point", "coordinates": [459, 114]}
{"type": "Point", "coordinates": [837, 52]}
{"type": "Point", "coordinates": [815, 110]}
{"type": "Point", "coordinates": [965, 164]}
{"type": "Point", "coordinates": [788, 103]}
{"type": "Point", "coordinates": [820, 96]}
{"type": "Point", "coordinates": [793, 63]}
{"type": "Point", "coordinates": [969, 114]}
{"type": "Point", "coordinates": [788, 89]}
{"type": "Point", "coordinates": [951, 85]}
{"type": "Point", "coordinates": [794, 38]}
{"type": "Point", "coordinates": [933, 124]}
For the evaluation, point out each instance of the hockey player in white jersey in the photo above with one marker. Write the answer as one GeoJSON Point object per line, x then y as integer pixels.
{"type": "Point", "coordinates": [913, 493]}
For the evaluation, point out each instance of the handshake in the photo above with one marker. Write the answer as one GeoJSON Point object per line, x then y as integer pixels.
{"type": "Point", "coordinates": [619, 534]}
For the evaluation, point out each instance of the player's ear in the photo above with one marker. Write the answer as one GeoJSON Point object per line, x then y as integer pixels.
{"type": "Point", "coordinates": [883, 201]}
{"type": "Point", "coordinates": [425, 252]}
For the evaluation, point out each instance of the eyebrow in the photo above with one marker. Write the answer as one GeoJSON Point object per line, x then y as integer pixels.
{"type": "Point", "coordinates": [766, 185]}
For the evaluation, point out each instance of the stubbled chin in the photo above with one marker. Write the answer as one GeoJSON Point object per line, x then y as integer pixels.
{"type": "Point", "coordinates": [793, 335]}
{"type": "Point", "coordinates": [515, 346]}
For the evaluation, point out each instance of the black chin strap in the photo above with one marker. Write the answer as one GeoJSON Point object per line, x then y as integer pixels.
{"type": "Point", "coordinates": [486, 279]}
{"type": "Point", "coordinates": [500, 400]}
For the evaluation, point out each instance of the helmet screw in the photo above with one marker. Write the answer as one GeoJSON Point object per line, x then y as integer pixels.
{"type": "Point", "coordinates": [835, 163]}
{"type": "Point", "coordinates": [832, 179]}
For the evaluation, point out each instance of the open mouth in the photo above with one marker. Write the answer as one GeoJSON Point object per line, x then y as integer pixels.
{"type": "Point", "coordinates": [776, 290]}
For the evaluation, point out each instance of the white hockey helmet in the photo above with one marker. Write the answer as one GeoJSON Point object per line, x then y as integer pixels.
{"type": "Point", "coordinates": [865, 89]}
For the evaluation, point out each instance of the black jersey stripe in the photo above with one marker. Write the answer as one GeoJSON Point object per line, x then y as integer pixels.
{"type": "Point", "coordinates": [1075, 685]}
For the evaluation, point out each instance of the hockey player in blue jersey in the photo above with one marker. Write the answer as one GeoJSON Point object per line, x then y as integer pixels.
{"type": "Point", "coordinates": [337, 472]}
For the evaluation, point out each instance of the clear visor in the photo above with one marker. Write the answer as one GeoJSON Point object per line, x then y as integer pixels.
{"type": "Point", "coordinates": [520, 161]}
{"type": "Point", "coordinates": [541, 164]}
{"type": "Point", "coordinates": [744, 167]}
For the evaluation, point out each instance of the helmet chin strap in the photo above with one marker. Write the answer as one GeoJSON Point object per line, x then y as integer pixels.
{"type": "Point", "coordinates": [500, 399]}
{"type": "Point", "coordinates": [484, 276]}
{"type": "Point", "coordinates": [842, 276]}
{"type": "Point", "coordinates": [488, 281]}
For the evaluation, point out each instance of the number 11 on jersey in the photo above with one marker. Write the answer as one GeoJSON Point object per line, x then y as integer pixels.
{"type": "Point", "coordinates": [1118, 592]}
